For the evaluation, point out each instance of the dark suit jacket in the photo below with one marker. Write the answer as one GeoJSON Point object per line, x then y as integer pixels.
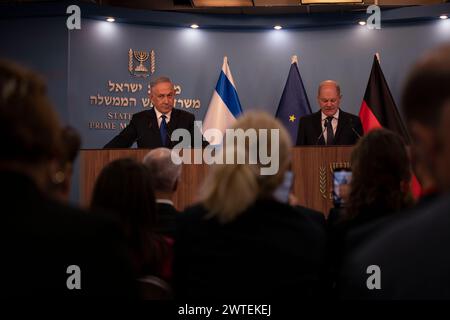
{"type": "Point", "coordinates": [310, 130]}
{"type": "Point", "coordinates": [41, 238]}
{"type": "Point", "coordinates": [412, 256]}
{"type": "Point", "coordinates": [270, 250]}
{"type": "Point", "coordinates": [143, 128]}
{"type": "Point", "coordinates": [347, 235]}
{"type": "Point", "coordinates": [314, 215]}
{"type": "Point", "coordinates": [167, 215]}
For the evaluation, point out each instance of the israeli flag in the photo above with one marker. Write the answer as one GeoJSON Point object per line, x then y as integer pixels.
{"type": "Point", "coordinates": [224, 106]}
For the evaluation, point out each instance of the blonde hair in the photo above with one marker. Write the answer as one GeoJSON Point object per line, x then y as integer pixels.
{"type": "Point", "coordinates": [229, 189]}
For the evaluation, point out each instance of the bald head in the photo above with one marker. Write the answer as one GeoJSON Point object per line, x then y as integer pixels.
{"type": "Point", "coordinates": [329, 83]}
{"type": "Point", "coordinates": [165, 172]}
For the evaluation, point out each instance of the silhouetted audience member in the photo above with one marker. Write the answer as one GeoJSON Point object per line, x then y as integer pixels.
{"type": "Point", "coordinates": [379, 188]}
{"type": "Point", "coordinates": [48, 249]}
{"type": "Point", "coordinates": [412, 254]}
{"type": "Point", "coordinates": [429, 190]}
{"type": "Point", "coordinates": [63, 178]}
{"type": "Point", "coordinates": [314, 215]}
{"type": "Point", "coordinates": [240, 242]}
{"type": "Point", "coordinates": [166, 176]}
{"type": "Point", "coordinates": [125, 188]}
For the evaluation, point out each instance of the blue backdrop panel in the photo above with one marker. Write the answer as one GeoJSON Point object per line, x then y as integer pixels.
{"type": "Point", "coordinates": [259, 61]}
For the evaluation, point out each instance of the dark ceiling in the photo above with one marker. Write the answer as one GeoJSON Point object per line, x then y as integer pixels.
{"type": "Point", "coordinates": [258, 7]}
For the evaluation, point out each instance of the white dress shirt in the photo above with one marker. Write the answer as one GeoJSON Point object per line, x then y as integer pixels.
{"type": "Point", "coordinates": [334, 124]}
{"type": "Point", "coordinates": [159, 118]}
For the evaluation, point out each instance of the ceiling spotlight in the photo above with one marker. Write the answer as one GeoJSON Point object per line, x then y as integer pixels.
{"type": "Point", "coordinates": [110, 19]}
{"type": "Point", "coordinates": [362, 23]}
{"type": "Point", "coordinates": [194, 26]}
{"type": "Point", "coordinates": [278, 27]}
{"type": "Point", "coordinates": [443, 17]}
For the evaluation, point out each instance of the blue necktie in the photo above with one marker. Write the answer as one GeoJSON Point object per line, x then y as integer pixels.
{"type": "Point", "coordinates": [163, 131]}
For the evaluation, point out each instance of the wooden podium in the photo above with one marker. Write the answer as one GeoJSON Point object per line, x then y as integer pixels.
{"type": "Point", "coordinates": [312, 167]}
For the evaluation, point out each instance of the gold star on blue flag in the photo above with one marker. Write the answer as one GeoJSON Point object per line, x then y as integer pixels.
{"type": "Point", "coordinates": [294, 101]}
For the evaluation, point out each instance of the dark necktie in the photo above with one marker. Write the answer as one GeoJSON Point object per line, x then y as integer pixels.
{"type": "Point", "coordinates": [163, 131]}
{"type": "Point", "coordinates": [330, 134]}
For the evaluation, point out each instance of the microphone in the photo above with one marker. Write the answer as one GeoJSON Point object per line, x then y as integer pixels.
{"type": "Point", "coordinates": [353, 128]}
{"type": "Point", "coordinates": [325, 124]}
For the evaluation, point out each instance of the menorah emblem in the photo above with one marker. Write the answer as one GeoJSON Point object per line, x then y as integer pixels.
{"type": "Point", "coordinates": [141, 56]}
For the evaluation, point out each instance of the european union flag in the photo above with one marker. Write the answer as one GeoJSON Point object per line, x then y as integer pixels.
{"type": "Point", "coordinates": [294, 101]}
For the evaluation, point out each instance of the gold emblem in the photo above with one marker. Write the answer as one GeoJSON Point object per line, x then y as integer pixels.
{"type": "Point", "coordinates": [292, 118]}
{"type": "Point", "coordinates": [141, 70]}
{"type": "Point", "coordinates": [339, 165]}
{"type": "Point", "coordinates": [323, 181]}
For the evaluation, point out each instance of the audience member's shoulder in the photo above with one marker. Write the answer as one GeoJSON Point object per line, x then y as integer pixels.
{"type": "Point", "coordinates": [410, 255]}
{"type": "Point", "coordinates": [430, 221]}
{"type": "Point", "coordinates": [419, 227]}
{"type": "Point", "coordinates": [275, 209]}
{"type": "Point", "coordinates": [314, 215]}
{"type": "Point", "coordinates": [298, 217]}
{"type": "Point", "coordinates": [193, 213]}
{"type": "Point", "coordinates": [81, 223]}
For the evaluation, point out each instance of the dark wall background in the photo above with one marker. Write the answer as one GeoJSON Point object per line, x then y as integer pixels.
{"type": "Point", "coordinates": [41, 44]}
{"type": "Point", "coordinates": [79, 63]}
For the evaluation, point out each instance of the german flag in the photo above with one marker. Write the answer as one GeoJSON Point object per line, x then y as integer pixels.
{"type": "Point", "coordinates": [378, 108]}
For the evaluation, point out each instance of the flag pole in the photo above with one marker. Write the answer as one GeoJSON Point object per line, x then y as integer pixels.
{"type": "Point", "coordinates": [378, 57]}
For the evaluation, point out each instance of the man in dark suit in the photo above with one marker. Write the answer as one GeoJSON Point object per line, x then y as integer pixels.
{"type": "Point", "coordinates": [166, 176]}
{"type": "Point", "coordinates": [330, 125]}
{"type": "Point", "coordinates": [153, 128]}
{"type": "Point", "coordinates": [411, 253]}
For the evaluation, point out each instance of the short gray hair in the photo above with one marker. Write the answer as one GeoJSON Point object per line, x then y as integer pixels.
{"type": "Point", "coordinates": [160, 80]}
{"type": "Point", "coordinates": [165, 172]}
